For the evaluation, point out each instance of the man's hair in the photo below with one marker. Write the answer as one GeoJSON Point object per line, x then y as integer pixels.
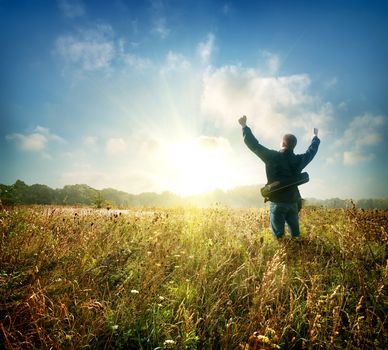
{"type": "Point", "coordinates": [289, 141]}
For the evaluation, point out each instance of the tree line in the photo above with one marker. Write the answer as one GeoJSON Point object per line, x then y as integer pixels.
{"type": "Point", "coordinates": [81, 194]}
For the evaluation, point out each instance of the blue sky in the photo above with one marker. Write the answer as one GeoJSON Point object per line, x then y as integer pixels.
{"type": "Point", "coordinates": [145, 95]}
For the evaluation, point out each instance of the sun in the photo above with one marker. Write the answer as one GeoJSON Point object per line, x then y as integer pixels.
{"type": "Point", "coordinates": [197, 166]}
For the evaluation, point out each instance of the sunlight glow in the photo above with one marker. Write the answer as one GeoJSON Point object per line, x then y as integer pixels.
{"type": "Point", "coordinates": [196, 168]}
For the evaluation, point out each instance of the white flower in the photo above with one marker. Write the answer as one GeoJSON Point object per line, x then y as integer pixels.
{"type": "Point", "coordinates": [134, 291]}
{"type": "Point", "coordinates": [115, 327]}
{"type": "Point", "coordinates": [169, 342]}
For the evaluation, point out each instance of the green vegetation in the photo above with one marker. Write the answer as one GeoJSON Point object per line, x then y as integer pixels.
{"type": "Point", "coordinates": [239, 197]}
{"type": "Point", "coordinates": [21, 193]}
{"type": "Point", "coordinates": [191, 279]}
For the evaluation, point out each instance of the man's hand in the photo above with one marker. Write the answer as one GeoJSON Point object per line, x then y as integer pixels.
{"type": "Point", "coordinates": [243, 121]}
{"type": "Point", "coordinates": [315, 131]}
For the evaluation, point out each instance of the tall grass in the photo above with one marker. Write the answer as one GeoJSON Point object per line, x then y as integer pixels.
{"type": "Point", "coordinates": [191, 279]}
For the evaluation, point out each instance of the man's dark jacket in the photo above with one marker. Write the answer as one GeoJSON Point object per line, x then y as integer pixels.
{"type": "Point", "coordinates": [281, 165]}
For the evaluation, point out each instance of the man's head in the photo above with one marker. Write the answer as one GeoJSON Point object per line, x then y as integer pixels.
{"type": "Point", "coordinates": [289, 141]}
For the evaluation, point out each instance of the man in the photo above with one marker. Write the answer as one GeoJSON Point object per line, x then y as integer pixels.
{"type": "Point", "coordinates": [281, 166]}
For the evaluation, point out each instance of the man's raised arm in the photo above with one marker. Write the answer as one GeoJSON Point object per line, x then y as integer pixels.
{"type": "Point", "coordinates": [251, 141]}
{"type": "Point", "coordinates": [312, 150]}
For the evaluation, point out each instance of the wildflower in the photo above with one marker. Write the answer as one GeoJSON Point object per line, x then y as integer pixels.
{"type": "Point", "coordinates": [169, 342]}
{"type": "Point", "coordinates": [161, 298]}
{"type": "Point", "coordinates": [115, 327]}
{"type": "Point", "coordinates": [134, 291]}
{"type": "Point", "coordinates": [262, 338]}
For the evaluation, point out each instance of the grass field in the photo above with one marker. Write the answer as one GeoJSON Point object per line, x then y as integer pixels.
{"type": "Point", "coordinates": [78, 278]}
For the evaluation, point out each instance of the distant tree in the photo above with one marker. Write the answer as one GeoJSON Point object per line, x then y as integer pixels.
{"type": "Point", "coordinates": [118, 198]}
{"type": "Point", "coordinates": [78, 194]}
{"type": "Point", "coordinates": [7, 195]}
{"type": "Point", "coordinates": [40, 194]}
{"type": "Point", "coordinates": [98, 200]}
{"type": "Point", "coordinates": [375, 203]}
{"type": "Point", "coordinates": [20, 190]}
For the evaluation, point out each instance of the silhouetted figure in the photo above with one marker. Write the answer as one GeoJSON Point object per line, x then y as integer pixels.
{"type": "Point", "coordinates": [282, 166]}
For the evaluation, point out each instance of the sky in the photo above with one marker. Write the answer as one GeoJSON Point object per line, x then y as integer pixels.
{"type": "Point", "coordinates": [144, 96]}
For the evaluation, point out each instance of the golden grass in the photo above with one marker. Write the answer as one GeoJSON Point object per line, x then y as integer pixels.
{"type": "Point", "coordinates": [189, 278]}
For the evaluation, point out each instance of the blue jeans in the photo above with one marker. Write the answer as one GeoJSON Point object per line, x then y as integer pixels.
{"type": "Point", "coordinates": [281, 213]}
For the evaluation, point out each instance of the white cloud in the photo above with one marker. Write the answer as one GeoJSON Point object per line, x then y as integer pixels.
{"type": "Point", "coordinates": [275, 105]}
{"type": "Point", "coordinates": [136, 62]}
{"type": "Point", "coordinates": [175, 62]}
{"type": "Point", "coordinates": [272, 61]}
{"type": "Point", "coordinates": [363, 131]}
{"type": "Point", "coordinates": [160, 28]}
{"type": "Point", "coordinates": [130, 59]}
{"type": "Point", "coordinates": [352, 158]}
{"type": "Point", "coordinates": [116, 146]}
{"type": "Point", "coordinates": [91, 49]}
{"type": "Point", "coordinates": [37, 141]}
{"type": "Point", "coordinates": [97, 48]}
{"type": "Point", "coordinates": [71, 8]}
{"type": "Point", "coordinates": [49, 135]}
{"type": "Point", "coordinates": [205, 49]}
{"type": "Point", "coordinates": [32, 142]}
